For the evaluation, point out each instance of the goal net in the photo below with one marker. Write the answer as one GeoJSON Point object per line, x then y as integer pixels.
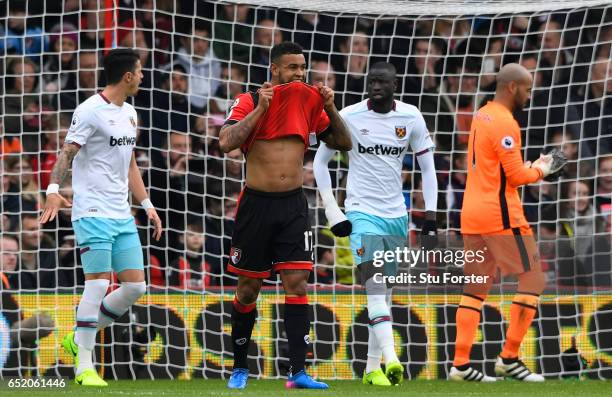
{"type": "Point", "coordinates": [197, 57]}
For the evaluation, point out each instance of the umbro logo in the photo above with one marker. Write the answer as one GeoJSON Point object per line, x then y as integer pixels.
{"type": "Point", "coordinates": [111, 122]}
{"type": "Point", "coordinates": [240, 341]}
{"type": "Point", "coordinates": [364, 131]}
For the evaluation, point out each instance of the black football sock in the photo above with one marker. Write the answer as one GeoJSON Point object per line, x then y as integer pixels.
{"type": "Point", "coordinates": [297, 326]}
{"type": "Point", "coordinates": [243, 320]}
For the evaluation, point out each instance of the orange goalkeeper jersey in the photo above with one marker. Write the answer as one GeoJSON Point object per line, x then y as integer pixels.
{"type": "Point", "coordinates": [491, 202]}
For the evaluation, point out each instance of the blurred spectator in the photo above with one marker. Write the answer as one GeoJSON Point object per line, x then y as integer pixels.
{"type": "Point", "coordinates": [176, 185]}
{"type": "Point", "coordinates": [517, 32]}
{"type": "Point", "coordinates": [59, 70]}
{"type": "Point", "coordinates": [546, 113]}
{"type": "Point", "coordinates": [596, 113]}
{"type": "Point", "coordinates": [575, 167]}
{"type": "Point", "coordinates": [233, 30]}
{"type": "Point", "coordinates": [323, 72]}
{"type": "Point", "coordinates": [424, 69]}
{"type": "Point", "coordinates": [351, 66]}
{"type": "Point", "coordinates": [157, 29]}
{"type": "Point", "coordinates": [192, 271]}
{"type": "Point", "coordinates": [233, 83]}
{"type": "Point", "coordinates": [11, 201]}
{"type": "Point", "coordinates": [226, 176]}
{"type": "Point", "coordinates": [171, 103]}
{"type": "Point", "coordinates": [53, 141]}
{"type": "Point", "coordinates": [38, 266]}
{"type": "Point", "coordinates": [603, 193]}
{"type": "Point", "coordinates": [18, 36]}
{"type": "Point", "coordinates": [22, 101]}
{"type": "Point", "coordinates": [584, 230]}
{"type": "Point", "coordinates": [553, 52]}
{"type": "Point", "coordinates": [451, 109]}
{"type": "Point", "coordinates": [9, 245]}
{"type": "Point", "coordinates": [313, 31]}
{"type": "Point", "coordinates": [201, 64]}
{"type": "Point", "coordinates": [86, 83]}
{"type": "Point", "coordinates": [267, 34]}
{"type": "Point", "coordinates": [491, 64]}
{"type": "Point", "coordinates": [206, 137]}
{"type": "Point", "coordinates": [23, 181]}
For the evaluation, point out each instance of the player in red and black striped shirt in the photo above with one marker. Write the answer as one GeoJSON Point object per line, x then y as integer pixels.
{"type": "Point", "coordinates": [274, 127]}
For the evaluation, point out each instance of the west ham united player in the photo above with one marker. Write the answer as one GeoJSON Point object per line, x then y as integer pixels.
{"type": "Point", "coordinates": [274, 127]}
{"type": "Point", "coordinates": [381, 130]}
{"type": "Point", "coordinates": [101, 140]}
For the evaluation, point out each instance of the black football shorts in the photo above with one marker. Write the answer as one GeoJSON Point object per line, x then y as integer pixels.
{"type": "Point", "coordinates": [272, 232]}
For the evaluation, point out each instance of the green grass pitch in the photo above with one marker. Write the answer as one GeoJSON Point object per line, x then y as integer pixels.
{"type": "Point", "coordinates": [276, 388]}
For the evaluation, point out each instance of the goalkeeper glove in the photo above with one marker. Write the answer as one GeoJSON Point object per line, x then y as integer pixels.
{"type": "Point", "coordinates": [339, 223]}
{"type": "Point", "coordinates": [429, 234]}
{"type": "Point", "coordinates": [559, 161]}
{"type": "Point", "coordinates": [551, 164]}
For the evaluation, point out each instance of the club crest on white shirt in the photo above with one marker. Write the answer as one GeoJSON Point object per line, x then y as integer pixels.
{"type": "Point", "coordinates": [400, 131]}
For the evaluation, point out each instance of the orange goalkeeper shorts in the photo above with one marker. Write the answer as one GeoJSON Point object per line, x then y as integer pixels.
{"type": "Point", "coordinates": [513, 251]}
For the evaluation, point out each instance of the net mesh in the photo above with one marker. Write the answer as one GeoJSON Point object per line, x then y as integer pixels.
{"type": "Point", "coordinates": [196, 57]}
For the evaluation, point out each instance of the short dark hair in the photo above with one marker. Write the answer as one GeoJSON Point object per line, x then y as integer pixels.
{"type": "Point", "coordinates": [200, 24]}
{"type": "Point", "coordinates": [284, 48]}
{"type": "Point", "coordinates": [384, 66]}
{"type": "Point", "coordinates": [177, 67]}
{"type": "Point", "coordinates": [118, 62]}
{"type": "Point", "coordinates": [195, 224]}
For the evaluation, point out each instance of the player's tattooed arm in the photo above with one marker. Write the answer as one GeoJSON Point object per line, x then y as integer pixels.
{"type": "Point", "coordinates": [234, 135]}
{"type": "Point", "coordinates": [62, 165]}
{"type": "Point", "coordinates": [55, 201]}
{"type": "Point", "coordinates": [339, 137]}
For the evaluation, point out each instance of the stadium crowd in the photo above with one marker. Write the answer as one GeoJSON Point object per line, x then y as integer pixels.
{"type": "Point", "coordinates": [193, 68]}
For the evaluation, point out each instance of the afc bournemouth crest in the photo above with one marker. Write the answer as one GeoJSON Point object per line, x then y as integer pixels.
{"type": "Point", "coordinates": [134, 122]}
{"type": "Point", "coordinates": [400, 131]}
{"type": "Point", "coordinates": [235, 255]}
{"type": "Point", "coordinates": [360, 251]}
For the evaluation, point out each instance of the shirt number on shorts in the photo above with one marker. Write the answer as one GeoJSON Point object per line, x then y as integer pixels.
{"type": "Point", "coordinates": [308, 240]}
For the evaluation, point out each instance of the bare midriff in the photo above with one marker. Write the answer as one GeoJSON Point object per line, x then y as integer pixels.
{"type": "Point", "coordinates": [275, 165]}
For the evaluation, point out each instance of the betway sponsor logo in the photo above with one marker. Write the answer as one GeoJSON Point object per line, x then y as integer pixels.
{"type": "Point", "coordinates": [123, 141]}
{"type": "Point", "coordinates": [381, 150]}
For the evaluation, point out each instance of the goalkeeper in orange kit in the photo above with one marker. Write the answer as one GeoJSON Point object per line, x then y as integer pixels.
{"type": "Point", "coordinates": [493, 222]}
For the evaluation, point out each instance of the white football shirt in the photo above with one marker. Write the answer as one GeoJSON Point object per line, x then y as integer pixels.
{"type": "Point", "coordinates": [380, 142]}
{"type": "Point", "coordinates": [107, 136]}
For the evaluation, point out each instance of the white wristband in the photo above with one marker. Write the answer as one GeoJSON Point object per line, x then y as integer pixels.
{"type": "Point", "coordinates": [146, 204]}
{"type": "Point", "coordinates": [53, 188]}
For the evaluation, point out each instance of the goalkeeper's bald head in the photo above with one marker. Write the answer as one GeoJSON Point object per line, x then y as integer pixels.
{"type": "Point", "coordinates": [514, 84]}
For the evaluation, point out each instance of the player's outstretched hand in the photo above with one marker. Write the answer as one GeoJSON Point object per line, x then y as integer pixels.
{"type": "Point", "coordinates": [157, 223]}
{"type": "Point", "coordinates": [429, 234]}
{"type": "Point", "coordinates": [327, 94]}
{"type": "Point", "coordinates": [54, 203]}
{"type": "Point", "coordinates": [265, 95]}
